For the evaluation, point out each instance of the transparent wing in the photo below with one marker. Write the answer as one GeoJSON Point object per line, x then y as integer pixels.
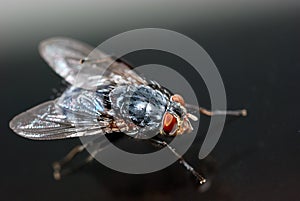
{"type": "Point", "coordinates": [47, 122]}
{"type": "Point", "coordinates": [66, 57]}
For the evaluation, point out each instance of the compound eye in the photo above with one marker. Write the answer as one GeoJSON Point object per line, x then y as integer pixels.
{"type": "Point", "coordinates": [169, 124]}
{"type": "Point", "coordinates": [177, 98]}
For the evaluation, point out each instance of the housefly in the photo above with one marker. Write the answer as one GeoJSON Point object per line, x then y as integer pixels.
{"type": "Point", "coordinates": [122, 102]}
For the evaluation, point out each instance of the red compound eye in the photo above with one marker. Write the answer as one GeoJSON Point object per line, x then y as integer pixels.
{"type": "Point", "coordinates": [177, 98]}
{"type": "Point", "coordinates": [169, 123]}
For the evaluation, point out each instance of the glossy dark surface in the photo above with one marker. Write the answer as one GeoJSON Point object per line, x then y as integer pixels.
{"type": "Point", "coordinates": [257, 158]}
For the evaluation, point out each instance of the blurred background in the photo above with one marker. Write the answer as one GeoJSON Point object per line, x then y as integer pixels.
{"type": "Point", "coordinates": [255, 46]}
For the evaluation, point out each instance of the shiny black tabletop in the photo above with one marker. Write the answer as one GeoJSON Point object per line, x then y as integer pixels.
{"type": "Point", "coordinates": [257, 157]}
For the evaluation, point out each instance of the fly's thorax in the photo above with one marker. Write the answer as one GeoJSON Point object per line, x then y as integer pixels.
{"type": "Point", "coordinates": [140, 105]}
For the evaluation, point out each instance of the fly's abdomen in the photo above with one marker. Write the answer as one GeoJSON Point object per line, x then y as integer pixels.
{"type": "Point", "coordinates": [140, 105]}
{"type": "Point", "coordinates": [83, 102]}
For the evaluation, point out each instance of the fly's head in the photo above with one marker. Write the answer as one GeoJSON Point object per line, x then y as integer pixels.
{"type": "Point", "coordinates": [176, 118]}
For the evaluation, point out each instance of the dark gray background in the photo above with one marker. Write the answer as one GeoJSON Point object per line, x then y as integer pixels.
{"type": "Point", "coordinates": [256, 49]}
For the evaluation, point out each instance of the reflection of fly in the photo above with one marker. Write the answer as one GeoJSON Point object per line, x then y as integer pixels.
{"type": "Point", "coordinates": [103, 100]}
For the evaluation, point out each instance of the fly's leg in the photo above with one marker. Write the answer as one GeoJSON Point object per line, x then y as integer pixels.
{"type": "Point", "coordinates": [187, 166]}
{"type": "Point", "coordinates": [206, 112]}
{"type": "Point", "coordinates": [58, 167]}
{"type": "Point", "coordinates": [59, 173]}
